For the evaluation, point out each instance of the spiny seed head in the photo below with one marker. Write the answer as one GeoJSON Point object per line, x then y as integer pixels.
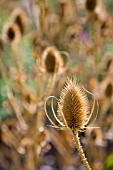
{"type": "Point", "coordinates": [19, 18]}
{"type": "Point", "coordinates": [90, 5]}
{"type": "Point", "coordinates": [73, 31]}
{"type": "Point", "coordinates": [51, 60]}
{"type": "Point", "coordinates": [11, 32]}
{"type": "Point", "coordinates": [108, 64]}
{"type": "Point", "coordinates": [73, 104]}
{"type": "Point", "coordinates": [50, 63]}
{"type": "Point", "coordinates": [18, 21]}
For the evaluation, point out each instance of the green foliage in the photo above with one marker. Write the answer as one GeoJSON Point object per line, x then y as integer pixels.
{"type": "Point", "coordinates": [109, 162]}
{"type": "Point", "coordinates": [109, 5]}
{"type": "Point", "coordinates": [3, 18]}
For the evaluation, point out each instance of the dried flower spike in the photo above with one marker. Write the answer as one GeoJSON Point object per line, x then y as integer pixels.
{"type": "Point", "coordinates": [109, 90]}
{"type": "Point", "coordinates": [73, 111]}
{"type": "Point", "coordinates": [51, 60]}
{"type": "Point", "coordinates": [106, 88]}
{"type": "Point", "coordinates": [53, 63]}
{"type": "Point", "coordinates": [90, 5]}
{"type": "Point", "coordinates": [74, 105]}
{"type": "Point", "coordinates": [11, 32]}
{"type": "Point", "coordinates": [19, 18]}
{"type": "Point", "coordinates": [107, 63]}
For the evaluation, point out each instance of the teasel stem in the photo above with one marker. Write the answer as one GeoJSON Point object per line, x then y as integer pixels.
{"type": "Point", "coordinates": [19, 52]}
{"type": "Point", "coordinates": [50, 86]}
{"type": "Point", "coordinates": [14, 59]}
{"type": "Point", "coordinates": [4, 59]}
{"type": "Point", "coordinates": [16, 109]}
{"type": "Point", "coordinates": [42, 17]}
{"type": "Point", "coordinates": [80, 150]}
{"type": "Point", "coordinates": [18, 56]}
{"type": "Point", "coordinates": [41, 85]}
{"type": "Point", "coordinates": [12, 100]}
{"type": "Point", "coordinates": [30, 159]}
{"type": "Point", "coordinates": [11, 138]}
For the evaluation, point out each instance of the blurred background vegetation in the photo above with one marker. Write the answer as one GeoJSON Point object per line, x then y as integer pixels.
{"type": "Point", "coordinates": [89, 62]}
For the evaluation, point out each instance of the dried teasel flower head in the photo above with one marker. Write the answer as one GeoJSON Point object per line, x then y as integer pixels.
{"type": "Point", "coordinates": [91, 5]}
{"type": "Point", "coordinates": [74, 31]}
{"type": "Point", "coordinates": [72, 35]}
{"type": "Point", "coordinates": [107, 87]}
{"type": "Point", "coordinates": [66, 11]}
{"type": "Point", "coordinates": [74, 105]}
{"type": "Point", "coordinates": [19, 17]}
{"type": "Point", "coordinates": [101, 13]}
{"type": "Point", "coordinates": [11, 33]}
{"type": "Point", "coordinates": [107, 63]}
{"type": "Point", "coordinates": [62, 7]}
{"type": "Point", "coordinates": [53, 26]}
{"type": "Point", "coordinates": [109, 90]}
{"type": "Point", "coordinates": [74, 113]}
{"type": "Point", "coordinates": [96, 136]}
{"type": "Point", "coordinates": [106, 27]}
{"type": "Point", "coordinates": [36, 42]}
{"type": "Point", "coordinates": [51, 60]}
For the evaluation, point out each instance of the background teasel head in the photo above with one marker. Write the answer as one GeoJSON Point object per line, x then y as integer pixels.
{"type": "Point", "coordinates": [11, 32]}
{"type": "Point", "coordinates": [51, 60]}
{"type": "Point", "coordinates": [74, 105]}
{"type": "Point", "coordinates": [53, 26]}
{"type": "Point", "coordinates": [72, 35]}
{"type": "Point", "coordinates": [107, 63]}
{"type": "Point", "coordinates": [67, 11]}
{"type": "Point", "coordinates": [106, 27]}
{"type": "Point", "coordinates": [96, 136]}
{"type": "Point", "coordinates": [19, 18]}
{"type": "Point", "coordinates": [101, 14]}
{"type": "Point", "coordinates": [106, 87]}
{"type": "Point", "coordinates": [90, 5]}
{"type": "Point", "coordinates": [109, 90]}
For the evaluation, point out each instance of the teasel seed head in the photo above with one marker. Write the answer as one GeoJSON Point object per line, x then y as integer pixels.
{"type": "Point", "coordinates": [108, 64]}
{"type": "Point", "coordinates": [11, 32]}
{"type": "Point", "coordinates": [19, 18]}
{"type": "Point", "coordinates": [106, 88]}
{"type": "Point", "coordinates": [50, 63]}
{"type": "Point", "coordinates": [51, 60]}
{"type": "Point", "coordinates": [109, 90]}
{"type": "Point", "coordinates": [90, 5]}
{"type": "Point", "coordinates": [73, 104]}
{"type": "Point", "coordinates": [73, 111]}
